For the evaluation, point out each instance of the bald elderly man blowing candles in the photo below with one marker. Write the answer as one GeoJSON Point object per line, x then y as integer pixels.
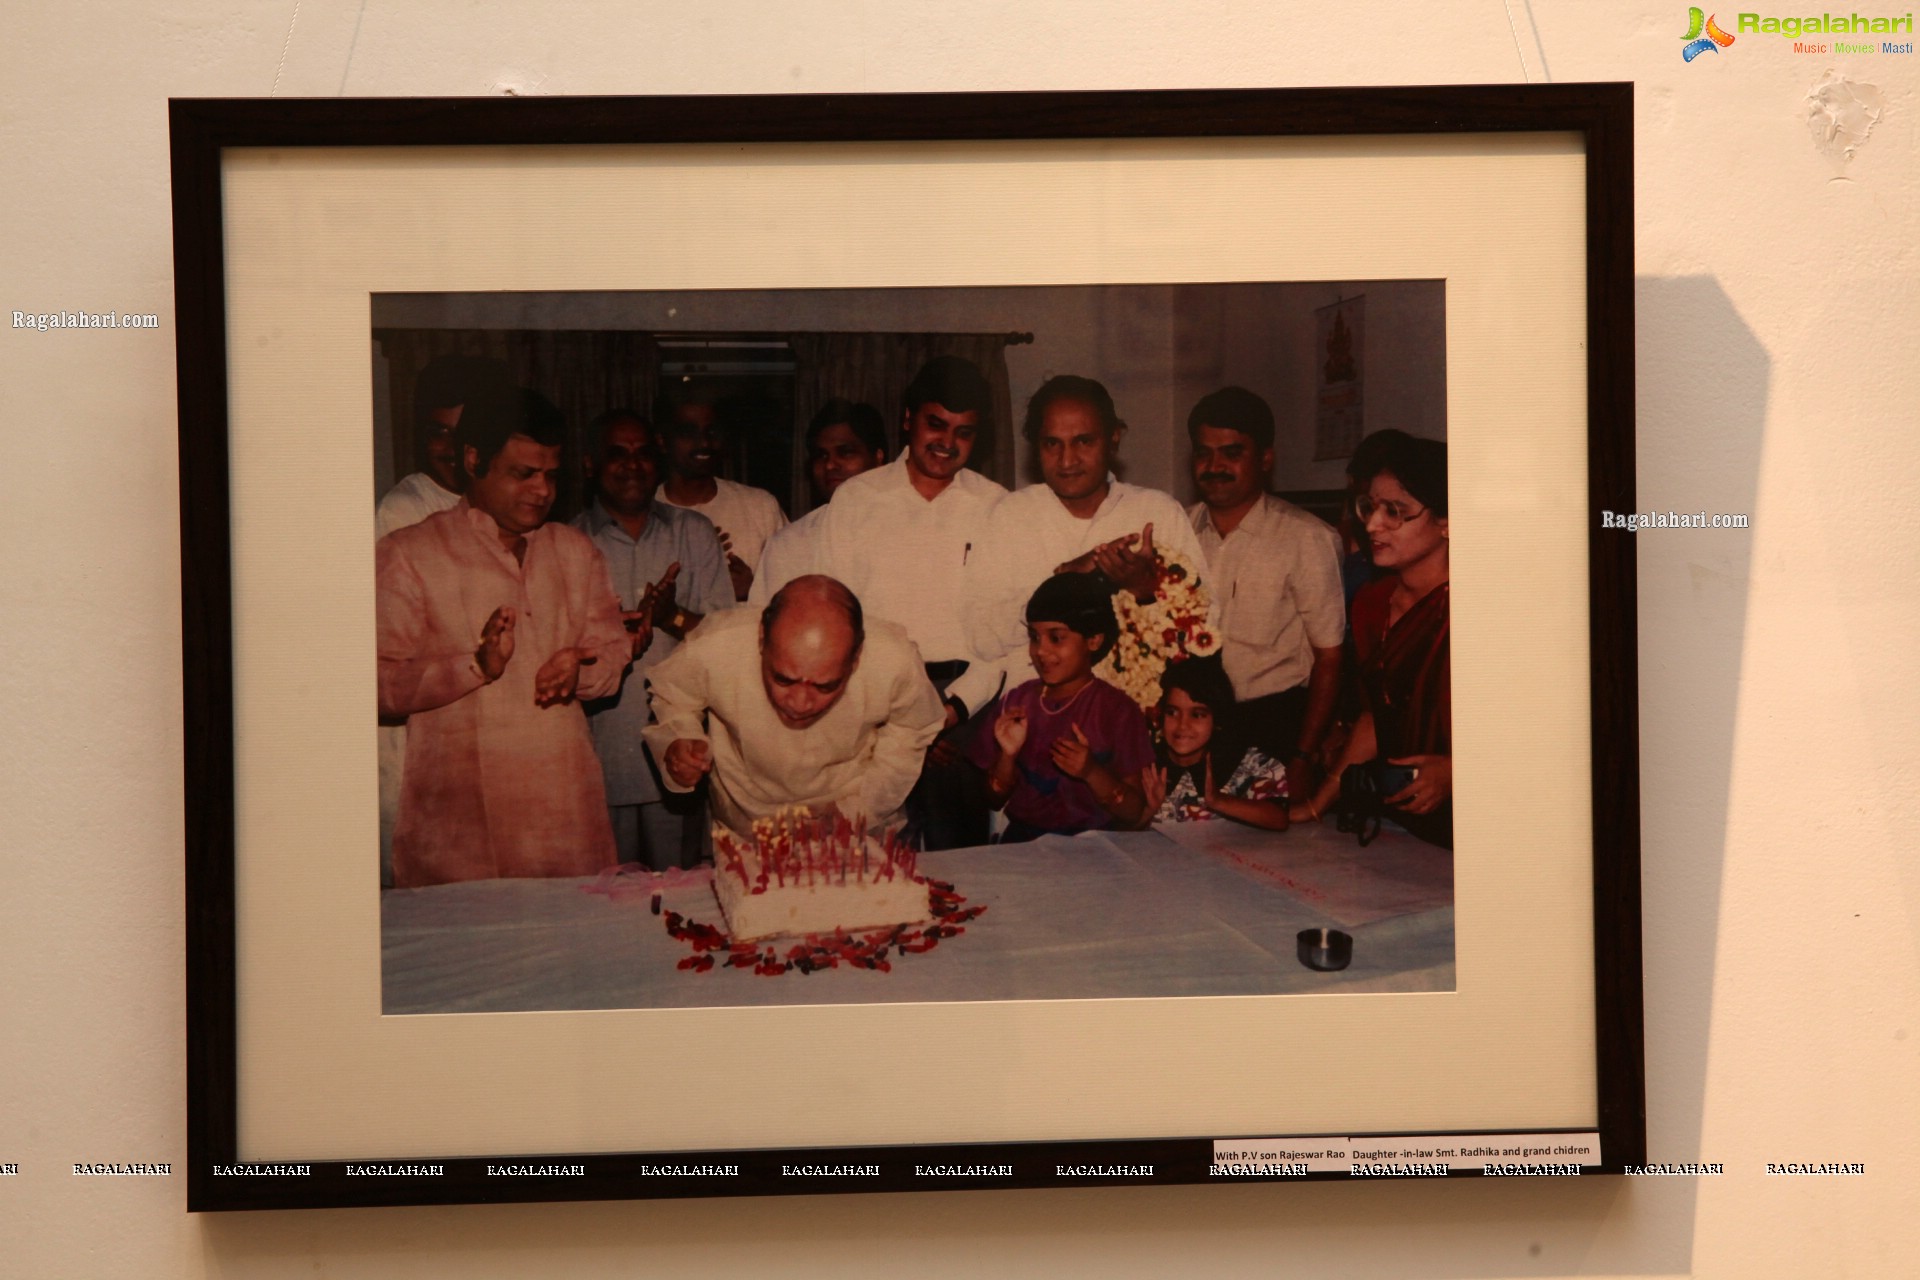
{"type": "Point", "coordinates": [841, 712]}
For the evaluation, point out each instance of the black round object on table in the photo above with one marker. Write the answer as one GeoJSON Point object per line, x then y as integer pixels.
{"type": "Point", "coordinates": [1326, 950]}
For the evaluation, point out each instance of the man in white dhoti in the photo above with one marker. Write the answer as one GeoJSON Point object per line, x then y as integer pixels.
{"type": "Point", "coordinates": [840, 713]}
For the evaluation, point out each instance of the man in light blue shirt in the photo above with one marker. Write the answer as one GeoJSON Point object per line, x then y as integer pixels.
{"type": "Point", "coordinates": [669, 572]}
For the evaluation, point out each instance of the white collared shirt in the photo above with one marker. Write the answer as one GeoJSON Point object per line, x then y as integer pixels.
{"type": "Point", "coordinates": [905, 556]}
{"type": "Point", "coordinates": [1031, 534]}
{"type": "Point", "coordinates": [1277, 595]}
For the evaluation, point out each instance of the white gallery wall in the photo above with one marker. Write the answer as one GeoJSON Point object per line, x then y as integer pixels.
{"type": "Point", "coordinates": [1778, 292]}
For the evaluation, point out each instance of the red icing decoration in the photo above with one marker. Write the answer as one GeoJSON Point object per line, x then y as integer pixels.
{"type": "Point", "coordinates": [827, 951]}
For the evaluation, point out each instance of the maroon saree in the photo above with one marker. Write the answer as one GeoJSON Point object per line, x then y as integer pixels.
{"type": "Point", "coordinates": [1406, 675]}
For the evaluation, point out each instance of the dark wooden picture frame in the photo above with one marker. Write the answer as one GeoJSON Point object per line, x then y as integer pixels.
{"type": "Point", "coordinates": [202, 130]}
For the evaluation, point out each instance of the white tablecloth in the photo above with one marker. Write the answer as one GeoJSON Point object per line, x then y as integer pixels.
{"type": "Point", "coordinates": [1105, 914]}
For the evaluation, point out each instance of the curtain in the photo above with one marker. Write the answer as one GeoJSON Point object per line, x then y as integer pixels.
{"type": "Point", "coordinates": [584, 373]}
{"type": "Point", "coordinates": [875, 368]}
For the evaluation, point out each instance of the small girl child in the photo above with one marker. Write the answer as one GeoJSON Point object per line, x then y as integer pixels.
{"type": "Point", "coordinates": [1202, 773]}
{"type": "Point", "coordinates": [1068, 752]}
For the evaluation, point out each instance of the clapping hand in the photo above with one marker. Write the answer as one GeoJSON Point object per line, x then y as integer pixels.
{"type": "Point", "coordinates": [649, 612]}
{"type": "Point", "coordinates": [1074, 756]}
{"type": "Point", "coordinates": [496, 643]}
{"type": "Point", "coordinates": [558, 676]}
{"type": "Point", "coordinates": [639, 622]}
{"type": "Point", "coordinates": [1010, 731]}
{"type": "Point", "coordinates": [1153, 785]}
{"type": "Point", "coordinates": [664, 595]}
{"type": "Point", "coordinates": [737, 569]}
{"type": "Point", "coordinates": [1210, 795]}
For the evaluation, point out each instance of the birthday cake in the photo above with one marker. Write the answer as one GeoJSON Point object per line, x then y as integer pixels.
{"type": "Point", "coordinates": [802, 873]}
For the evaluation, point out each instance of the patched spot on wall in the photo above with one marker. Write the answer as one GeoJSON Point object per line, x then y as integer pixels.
{"type": "Point", "coordinates": [1841, 113]}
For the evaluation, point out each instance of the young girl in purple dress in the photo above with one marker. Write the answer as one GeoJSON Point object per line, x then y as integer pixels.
{"type": "Point", "coordinates": [1068, 752]}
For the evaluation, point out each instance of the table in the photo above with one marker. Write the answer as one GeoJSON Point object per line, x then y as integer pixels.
{"type": "Point", "coordinates": [1197, 909]}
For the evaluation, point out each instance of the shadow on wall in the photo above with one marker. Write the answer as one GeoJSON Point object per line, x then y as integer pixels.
{"type": "Point", "coordinates": [1704, 382]}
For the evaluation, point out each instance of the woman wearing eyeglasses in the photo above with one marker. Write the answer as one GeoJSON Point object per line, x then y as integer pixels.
{"type": "Point", "coordinates": [1399, 630]}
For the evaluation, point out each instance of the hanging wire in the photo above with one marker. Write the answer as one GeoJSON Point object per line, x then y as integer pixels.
{"type": "Point", "coordinates": [1515, 31]}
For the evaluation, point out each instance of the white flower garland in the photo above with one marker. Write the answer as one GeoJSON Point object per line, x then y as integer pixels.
{"type": "Point", "coordinates": [1171, 628]}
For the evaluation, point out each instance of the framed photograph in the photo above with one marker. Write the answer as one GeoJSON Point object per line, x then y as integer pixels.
{"type": "Point", "coordinates": [789, 645]}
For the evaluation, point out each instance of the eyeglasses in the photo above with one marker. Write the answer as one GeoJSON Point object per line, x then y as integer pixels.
{"type": "Point", "coordinates": [1392, 514]}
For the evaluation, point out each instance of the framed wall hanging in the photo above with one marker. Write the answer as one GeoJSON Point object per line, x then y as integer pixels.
{"type": "Point", "coordinates": [440, 986]}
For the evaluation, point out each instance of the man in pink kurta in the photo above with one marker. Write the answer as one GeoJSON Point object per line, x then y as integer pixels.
{"type": "Point", "coordinates": [493, 625]}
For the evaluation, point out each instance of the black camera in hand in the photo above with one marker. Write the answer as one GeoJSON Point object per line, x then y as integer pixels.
{"type": "Point", "coordinates": [1364, 789]}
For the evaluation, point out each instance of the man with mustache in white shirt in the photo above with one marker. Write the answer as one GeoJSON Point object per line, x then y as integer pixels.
{"type": "Point", "coordinates": [1275, 570]}
{"type": "Point", "coordinates": [900, 536]}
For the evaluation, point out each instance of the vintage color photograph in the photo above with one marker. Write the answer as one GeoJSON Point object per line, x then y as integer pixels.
{"type": "Point", "coordinates": [893, 645]}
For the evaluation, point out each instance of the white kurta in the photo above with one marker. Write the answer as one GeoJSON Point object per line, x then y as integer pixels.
{"type": "Point", "coordinates": [863, 755]}
{"type": "Point", "coordinates": [1031, 534]}
{"type": "Point", "coordinates": [906, 557]}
